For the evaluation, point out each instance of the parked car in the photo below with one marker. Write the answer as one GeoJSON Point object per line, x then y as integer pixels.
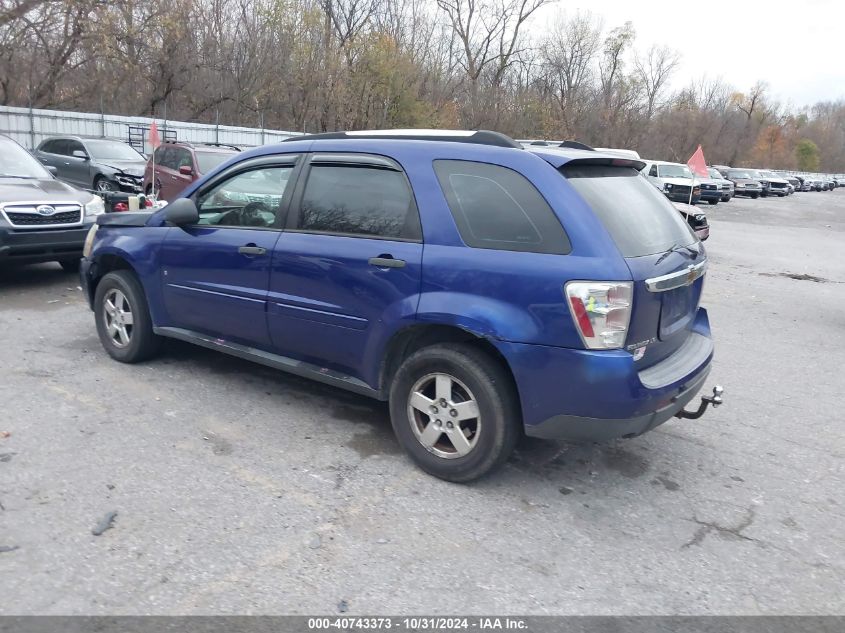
{"type": "Point", "coordinates": [744, 183]}
{"type": "Point", "coordinates": [673, 179]}
{"type": "Point", "coordinates": [483, 289]}
{"type": "Point", "coordinates": [793, 182]}
{"type": "Point", "coordinates": [95, 164]}
{"type": "Point", "coordinates": [41, 218]}
{"type": "Point", "coordinates": [178, 164]}
{"type": "Point", "coordinates": [726, 186]}
{"type": "Point", "coordinates": [759, 177]}
{"type": "Point", "coordinates": [830, 181]}
{"type": "Point", "coordinates": [778, 185]}
{"type": "Point", "coordinates": [696, 218]}
{"type": "Point", "coordinates": [814, 183]}
{"type": "Point", "coordinates": [805, 183]}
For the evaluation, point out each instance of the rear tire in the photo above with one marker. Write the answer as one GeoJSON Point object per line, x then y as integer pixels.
{"type": "Point", "coordinates": [123, 318]}
{"type": "Point", "coordinates": [466, 393]}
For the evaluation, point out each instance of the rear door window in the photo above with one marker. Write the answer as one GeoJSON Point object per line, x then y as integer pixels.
{"type": "Point", "coordinates": [638, 217]}
{"type": "Point", "coordinates": [358, 200]}
{"type": "Point", "coordinates": [495, 207]}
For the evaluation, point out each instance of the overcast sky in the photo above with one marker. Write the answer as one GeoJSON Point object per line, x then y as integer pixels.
{"type": "Point", "coordinates": [797, 47]}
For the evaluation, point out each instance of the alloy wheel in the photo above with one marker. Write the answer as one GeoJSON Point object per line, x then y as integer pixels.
{"type": "Point", "coordinates": [444, 415]}
{"type": "Point", "coordinates": [118, 317]}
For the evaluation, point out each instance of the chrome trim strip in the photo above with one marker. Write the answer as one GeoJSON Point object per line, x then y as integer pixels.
{"type": "Point", "coordinates": [677, 279]}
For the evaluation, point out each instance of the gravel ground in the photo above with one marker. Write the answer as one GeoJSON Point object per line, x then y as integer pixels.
{"type": "Point", "coordinates": [238, 489]}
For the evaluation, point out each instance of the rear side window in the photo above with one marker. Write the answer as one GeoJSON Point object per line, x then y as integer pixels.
{"type": "Point", "coordinates": [638, 217]}
{"type": "Point", "coordinates": [358, 200]}
{"type": "Point", "coordinates": [495, 207]}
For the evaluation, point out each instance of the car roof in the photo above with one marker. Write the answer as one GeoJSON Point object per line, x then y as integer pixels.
{"type": "Point", "coordinates": [437, 147]}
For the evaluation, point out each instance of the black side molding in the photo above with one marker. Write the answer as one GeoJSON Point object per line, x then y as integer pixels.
{"type": "Point", "coordinates": [290, 365]}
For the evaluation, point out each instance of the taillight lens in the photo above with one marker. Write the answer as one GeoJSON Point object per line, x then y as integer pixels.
{"type": "Point", "coordinates": [601, 311]}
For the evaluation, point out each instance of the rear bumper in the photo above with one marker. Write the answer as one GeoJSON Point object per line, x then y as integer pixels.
{"type": "Point", "coordinates": [574, 427]}
{"type": "Point", "coordinates": [599, 395]}
{"type": "Point", "coordinates": [33, 246]}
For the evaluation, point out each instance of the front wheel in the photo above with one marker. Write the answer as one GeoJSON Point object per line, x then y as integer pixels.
{"type": "Point", "coordinates": [123, 318]}
{"type": "Point", "coordinates": [455, 411]}
{"type": "Point", "coordinates": [754, 196]}
{"type": "Point", "coordinates": [713, 201]}
{"type": "Point", "coordinates": [104, 185]}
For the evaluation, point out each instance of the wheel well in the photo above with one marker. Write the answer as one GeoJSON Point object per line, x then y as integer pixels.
{"type": "Point", "coordinates": [414, 338]}
{"type": "Point", "coordinates": [106, 264]}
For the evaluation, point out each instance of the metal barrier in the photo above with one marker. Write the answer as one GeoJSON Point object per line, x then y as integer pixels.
{"type": "Point", "coordinates": [30, 126]}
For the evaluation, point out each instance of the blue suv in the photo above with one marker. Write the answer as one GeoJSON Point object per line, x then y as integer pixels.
{"type": "Point", "coordinates": [483, 289]}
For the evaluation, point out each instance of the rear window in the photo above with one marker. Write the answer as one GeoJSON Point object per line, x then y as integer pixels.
{"type": "Point", "coordinates": [638, 217]}
{"type": "Point", "coordinates": [495, 207]}
{"type": "Point", "coordinates": [206, 161]}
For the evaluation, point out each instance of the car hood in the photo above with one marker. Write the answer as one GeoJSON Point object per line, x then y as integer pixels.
{"type": "Point", "coordinates": [130, 167]}
{"type": "Point", "coordinates": [746, 181]}
{"type": "Point", "coordinates": [780, 180]}
{"type": "Point", "coordinates": [43, 190]}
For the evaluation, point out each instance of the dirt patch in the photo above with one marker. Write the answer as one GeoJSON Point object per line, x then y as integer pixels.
{"type": "Point", "coordinates": [801, 277]}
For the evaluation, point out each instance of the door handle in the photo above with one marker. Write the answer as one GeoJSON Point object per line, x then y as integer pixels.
{"type": "Point", "coordinates": [251, 250]}
{"type": "Point", "coordinates": [386, 261]}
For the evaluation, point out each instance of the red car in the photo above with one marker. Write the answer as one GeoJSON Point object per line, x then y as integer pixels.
{"type": "Point", "coordinates": [178, 164]}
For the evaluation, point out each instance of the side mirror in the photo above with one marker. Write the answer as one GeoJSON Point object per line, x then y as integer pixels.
{"type": "Point", "coordinates": [78, 153]}
{"type": "Point", "coordinates": [52, 169]}
{"type": "Point", "coordinates": [182, 212]}
{"type": "Point", "coordinates": [186, 170]}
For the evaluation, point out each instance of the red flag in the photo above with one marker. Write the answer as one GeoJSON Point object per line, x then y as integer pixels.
{"type": "Point", "coordinates": [155, 141]}
{"type": "Point", "coordinates": [697, 164]}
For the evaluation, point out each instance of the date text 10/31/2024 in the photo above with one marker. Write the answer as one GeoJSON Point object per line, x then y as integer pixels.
{"type": "Point", "coordinates": [418, 623]}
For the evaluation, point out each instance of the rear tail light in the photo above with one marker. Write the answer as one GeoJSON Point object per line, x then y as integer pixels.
{"type": "Point", "coordinates": [601, 311]}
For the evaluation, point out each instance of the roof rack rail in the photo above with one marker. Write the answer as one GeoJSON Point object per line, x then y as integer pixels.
{"type": "Point", "coordinates": [229, 145]}
{"type": "Point", "coordinates": [576, 145]}
{"type": "Point", "coordinates": [478, 137]}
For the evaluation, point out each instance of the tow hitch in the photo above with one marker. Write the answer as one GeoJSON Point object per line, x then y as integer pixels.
{"type": "Point", "coordinates": [715, 400]}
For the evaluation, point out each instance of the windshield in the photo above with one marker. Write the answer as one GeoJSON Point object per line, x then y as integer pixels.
{"type": "Point", "coordinates": [769, 174]}
{"type": "Point", "coordinates": [206, 161]}
{"type": "Point", "coordinates": [674, 171]}
{"type": "Point", "coordinates": [16, 161]}
{"type": "Point", "coordinates": [112, 150]}
{"type": "Point", "coordinates": [753, 173]}
{"type": "Point", "coordinates": [739, 173]}
{"type": "Point", "coordinates": [638, 217]}
{"type": "Point", "coordinates": [714, 173]}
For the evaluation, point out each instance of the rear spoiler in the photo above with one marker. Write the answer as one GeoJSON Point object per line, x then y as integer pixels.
{"type": "Point", "coordinates": [605, 161]}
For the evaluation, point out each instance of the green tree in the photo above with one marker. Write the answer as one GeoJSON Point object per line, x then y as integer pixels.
{"type": "Point", "coordinates": [807, 155]}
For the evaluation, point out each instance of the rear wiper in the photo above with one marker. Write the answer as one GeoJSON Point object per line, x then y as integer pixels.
{"type": "Point", "coordinates": [675, 248]}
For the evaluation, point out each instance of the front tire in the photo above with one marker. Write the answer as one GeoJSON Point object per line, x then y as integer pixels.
{"type": "Point", "coordinates": [713, 201]}
{"type": "Point", "coordinates": [455, 411]}
{"type": "Point", "coordinates": [104, 185]}
{"type": "Point", "coordinates": [123, 318]}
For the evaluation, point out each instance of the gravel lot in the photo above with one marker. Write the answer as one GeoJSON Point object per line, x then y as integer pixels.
{"type": "Point", "coordinates": [242, 490]}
